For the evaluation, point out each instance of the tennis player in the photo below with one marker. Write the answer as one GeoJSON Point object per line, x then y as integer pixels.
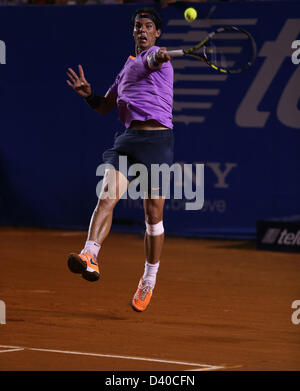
{"type": "Point", "coordinates": [143, 94]}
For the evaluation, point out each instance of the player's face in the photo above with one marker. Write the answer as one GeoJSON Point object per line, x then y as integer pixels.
{"type": "Point", "coordinates": [145, 34]}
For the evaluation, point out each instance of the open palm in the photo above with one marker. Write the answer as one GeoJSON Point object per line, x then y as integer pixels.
{"type": "Point", "coordinates": [79, 83]}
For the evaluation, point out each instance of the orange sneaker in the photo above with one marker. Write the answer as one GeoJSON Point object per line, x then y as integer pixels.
{"type": "Point", "coordinates": [84, 264]}
{"type": "Point", "coordinates": [142, 296]}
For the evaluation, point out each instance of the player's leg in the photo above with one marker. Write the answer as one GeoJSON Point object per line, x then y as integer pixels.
{"type": "Point", "coordinates": [113, 187]}
{"type": "Point", "coordinates": [154, 234]}
{"type": "Point", "coordinates": [153, 240]}
{"type": "Point", "coordinates": [157, 150]}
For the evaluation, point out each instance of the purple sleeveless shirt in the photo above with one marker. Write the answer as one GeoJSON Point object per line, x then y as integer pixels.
{"type": "Point", "coordinates": [144, 94]}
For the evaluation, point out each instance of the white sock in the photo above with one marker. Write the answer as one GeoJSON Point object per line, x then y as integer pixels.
{"type": "Point", "coordinates": [91, 248]}
{"type": "Point", "coordinates": [150, 272]}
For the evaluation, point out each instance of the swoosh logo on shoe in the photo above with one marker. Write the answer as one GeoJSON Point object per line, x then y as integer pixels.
{"type": "Point", "coordinates": [92, 262]}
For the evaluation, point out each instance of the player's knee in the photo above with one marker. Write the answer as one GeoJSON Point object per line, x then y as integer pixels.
{"type": "Point", "coordinates": [153, 213]}
{"type": "Point", "coordinates": [105, 205]}
{"type": "Point", "coordinates": [153, 216]}
{"type": "Point", "coordinates": [155, 229]}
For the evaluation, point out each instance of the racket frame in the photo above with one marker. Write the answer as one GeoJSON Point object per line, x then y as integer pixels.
{"type": "Point", "coordinates": [192, 50]}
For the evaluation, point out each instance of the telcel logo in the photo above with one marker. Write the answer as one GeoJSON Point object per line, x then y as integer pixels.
{"type": "Point", "coordinates": [289, 238]}
{"type": "Point", "coordinates": [284, 238]}
{"type": "Point", "coordinates": [2, 52]}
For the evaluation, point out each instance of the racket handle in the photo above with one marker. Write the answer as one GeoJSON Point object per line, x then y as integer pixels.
{"type": "Point", "coordinates": [176, 53]}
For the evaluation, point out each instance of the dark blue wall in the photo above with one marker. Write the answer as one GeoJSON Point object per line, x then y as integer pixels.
{"type": "Point", "coordinates": [51, 142]}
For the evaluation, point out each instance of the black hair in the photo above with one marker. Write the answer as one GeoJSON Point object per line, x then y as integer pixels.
{"type": "Point", "coordinates": [152, 14]}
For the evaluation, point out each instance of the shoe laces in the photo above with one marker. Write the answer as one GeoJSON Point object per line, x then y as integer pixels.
{"type": "Point", "coordinates": [145, 289]}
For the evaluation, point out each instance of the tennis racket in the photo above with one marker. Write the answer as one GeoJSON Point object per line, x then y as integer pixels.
{"type": "Point", "coordinates": [228, 49]}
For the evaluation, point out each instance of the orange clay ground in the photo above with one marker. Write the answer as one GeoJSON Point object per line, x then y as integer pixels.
{"type": "Point", "coordinates": [218, 305]}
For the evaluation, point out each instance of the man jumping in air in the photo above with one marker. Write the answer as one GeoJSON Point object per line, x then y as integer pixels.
{"type": "Point", "coordinates": [143, 94]}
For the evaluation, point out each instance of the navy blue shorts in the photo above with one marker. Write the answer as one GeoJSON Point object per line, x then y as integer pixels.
{"type": "Point", "coordinates": [145, 147]}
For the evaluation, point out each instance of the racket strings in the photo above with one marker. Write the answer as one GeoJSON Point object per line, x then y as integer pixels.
{"type": "Point", "coordinates": [215, 56]}
{"type": "Point", "coordinates": [231, 50]}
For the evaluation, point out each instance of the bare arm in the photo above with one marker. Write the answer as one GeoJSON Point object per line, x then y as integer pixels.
{"type": "Point", "coordinates": [102, 104]}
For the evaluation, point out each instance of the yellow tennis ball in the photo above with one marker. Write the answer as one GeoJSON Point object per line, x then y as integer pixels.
{"type": "Point", "coordinates": [190, 14]}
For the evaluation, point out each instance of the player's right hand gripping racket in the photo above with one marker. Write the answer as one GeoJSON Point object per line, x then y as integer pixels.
{"type": "Point", "coordinates": [228, 49]}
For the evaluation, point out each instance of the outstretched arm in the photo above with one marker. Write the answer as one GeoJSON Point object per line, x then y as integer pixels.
{"type": "Point", "coordinates": [102, 104]}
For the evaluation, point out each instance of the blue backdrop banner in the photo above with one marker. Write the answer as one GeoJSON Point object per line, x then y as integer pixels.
{"type": "Point", "coordinates": [244, 128]}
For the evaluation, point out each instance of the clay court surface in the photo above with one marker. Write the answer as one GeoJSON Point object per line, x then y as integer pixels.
{"type": "Point", "coordinates": [218, 305]}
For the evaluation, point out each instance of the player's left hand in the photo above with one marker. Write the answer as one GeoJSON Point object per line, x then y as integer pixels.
{"type": "Point", "coordinates": [79, 83]}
